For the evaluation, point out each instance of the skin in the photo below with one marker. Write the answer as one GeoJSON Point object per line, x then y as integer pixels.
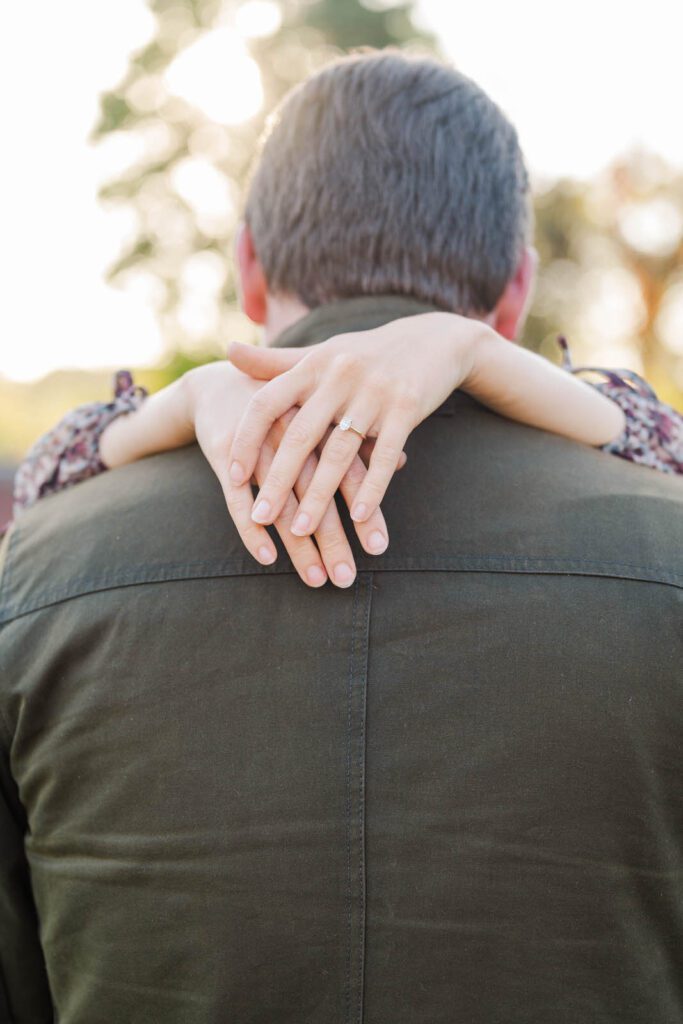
{"type": "Point", "coordinates": [206, 405]}
{"type": "Point", "coordinates": [268, 418]}
{"type": "Point", "coordinates": [377, 379]}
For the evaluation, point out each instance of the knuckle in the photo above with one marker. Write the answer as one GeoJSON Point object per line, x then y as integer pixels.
{"type": "Point", "coordinates": [247, 436]}
{"type": "Point", "coordinates": [276, 480]}
{"type": "Point", "coordinates": [259, 404]}
{"type": "Point", "coordinates": [299, 434]}
{"type": "Point", "coordinates": [337, 449]}
{"type": "Point", "coordinates": [372, 490]}
{"type": "Point", "coordinates": [331, 536]}
{"type": "Point", "coordinates": [317, 496]}
{"type": "Point", "coordinates": [385, 457]}
{"type": "Point", "coordinates": [235, 502]}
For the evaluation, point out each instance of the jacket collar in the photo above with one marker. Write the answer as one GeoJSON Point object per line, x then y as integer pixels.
{"type": "Point", "coordinates": [357, 314]}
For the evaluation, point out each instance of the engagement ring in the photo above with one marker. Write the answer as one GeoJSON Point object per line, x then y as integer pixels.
{"type": "Point", "coordinates": [346, 424]}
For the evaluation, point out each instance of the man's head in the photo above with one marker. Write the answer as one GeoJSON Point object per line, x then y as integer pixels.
{"type": "Point", "coordinates": [388, 174]}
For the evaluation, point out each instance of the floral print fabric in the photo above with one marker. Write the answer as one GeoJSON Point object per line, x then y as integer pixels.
{"type": "Point", "coordinates": [653, 435]}
{"type": "Point", "coordinates": [69, 453]}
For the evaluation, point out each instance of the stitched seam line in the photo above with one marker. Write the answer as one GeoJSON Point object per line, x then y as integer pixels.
{"type": "Point", "coordinates": [361, 795]}
{"type": "Point", "coordinates": [462, 563]}
{"type": "Point", "coordinates": [4, 721]}
{"type": "Point", "coordinates": [245, 566]}
{"type": "Point", "coordinates": [5, 590]}
{"type": "Point", "coordinates": [349, 692]}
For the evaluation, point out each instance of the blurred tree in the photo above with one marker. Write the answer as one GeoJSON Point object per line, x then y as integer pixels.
{"type": "Point", "coordinates": [190, 108]}
{"type": "Point", "coordinates": [187, 116]}
{"type": "Point", "coordinates": [611, 254]}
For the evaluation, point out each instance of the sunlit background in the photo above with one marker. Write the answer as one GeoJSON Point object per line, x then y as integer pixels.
{"type": "Point", "coordinates": [129, 126]}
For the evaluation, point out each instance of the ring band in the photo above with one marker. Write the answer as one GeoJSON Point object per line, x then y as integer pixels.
{"type": "Point", "coordinates": [346, 424]}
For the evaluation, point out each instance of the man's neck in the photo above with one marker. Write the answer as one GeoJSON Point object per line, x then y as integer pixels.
{"type": "Point", "coordinates": [281, 312]}
{"type": "Point", "coordinates": [284, 312]}
{"type": "Point", "coordinates": [343, 315]}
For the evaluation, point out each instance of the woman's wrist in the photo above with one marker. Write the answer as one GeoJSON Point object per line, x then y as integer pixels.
{"type": "Point", "coordinates": [199, 383]}
{"type": "Point", "coordinates": [486, 348]}
{"type": "Point", "coordinates": [469, 338]}
{"type": "Point", "coordinates": [524, 386]}
{"type": "Point", "coordinates": [446, 357]}
{"type": "Point", "coordinates": [163, 422]}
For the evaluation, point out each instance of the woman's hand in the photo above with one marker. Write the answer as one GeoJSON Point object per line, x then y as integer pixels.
{"type": "Point", "coordinates": [217, 396]}
{"type": "Point", "coordinates": [385, 380]}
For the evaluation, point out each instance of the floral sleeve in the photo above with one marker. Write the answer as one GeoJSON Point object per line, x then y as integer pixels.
{"type": "Point", "coordinates": [70, 453]}
{"type": "Point", "coordinates": [653, 435]}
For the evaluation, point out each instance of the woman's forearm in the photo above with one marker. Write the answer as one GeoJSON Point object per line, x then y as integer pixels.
{"type": "Point", "coordinates": [526, 387]}
{"type": "Point", "coordinates": [503, 376]}
{"type": "Point", "coordinates": [161, 423]}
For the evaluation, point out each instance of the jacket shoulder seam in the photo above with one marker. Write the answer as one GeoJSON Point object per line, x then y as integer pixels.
{"type": "Point", "coordinates": [177, 572]}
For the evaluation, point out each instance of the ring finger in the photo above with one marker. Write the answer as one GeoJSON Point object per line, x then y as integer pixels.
{"type": "Point", "coordinates": [304, 432]}
{"type": "Point", "coordinates": [371, 532]}
{"type": "Point", "coordinates": [336, 457]}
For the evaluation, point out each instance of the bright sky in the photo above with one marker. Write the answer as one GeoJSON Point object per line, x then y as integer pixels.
{"type": "Point", "coordinates": [583, 82]}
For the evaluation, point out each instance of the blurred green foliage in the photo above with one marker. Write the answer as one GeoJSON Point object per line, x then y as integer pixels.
{"type": "Point", "coordinates": [307, 34]}
{"type": "Point", "coordinates": [611, 270]}
{"type": "Point", "coordinates": [611, 250]}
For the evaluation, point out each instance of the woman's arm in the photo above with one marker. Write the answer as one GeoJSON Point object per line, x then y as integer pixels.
{"type": "Point", "coordinates": [205, 404]}
{"type": "Point", "coordinates": [161, 423]}
{"type": "Point", "coordinates": [387, 380]}
{"type": "Point", "coordinates": [525, 387]}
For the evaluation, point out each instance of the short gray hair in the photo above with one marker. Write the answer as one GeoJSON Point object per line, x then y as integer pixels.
{"type": "Point", "coordinates": [390, 174]}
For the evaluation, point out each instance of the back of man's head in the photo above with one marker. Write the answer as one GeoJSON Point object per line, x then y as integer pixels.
{"type": "Point", "coordinates": [386, 173]}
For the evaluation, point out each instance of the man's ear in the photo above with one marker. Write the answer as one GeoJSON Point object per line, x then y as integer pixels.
{"type": "Point", "coordinates": [252, 281]}
{"type": "Point", "coordinates": [511, 309]}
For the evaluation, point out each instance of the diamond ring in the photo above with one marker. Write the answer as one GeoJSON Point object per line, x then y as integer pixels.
{"type": "Point", "coordinates": [346, 424]}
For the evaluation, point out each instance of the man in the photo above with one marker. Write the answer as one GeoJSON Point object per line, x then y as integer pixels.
{"type": "Point", "coordinates": [449, 793]}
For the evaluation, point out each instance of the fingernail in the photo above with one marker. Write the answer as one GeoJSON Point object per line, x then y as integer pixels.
{"type": "Point", "coordinates": [266, 555]}
{"type": "Point", "coordinates": [316, 576]}
{"type": "Point", "coordinates": [377, 542]}
{"type": "Point", "coordinates": [343, 574]}
{"type": "Point", "coordinates": [236, 473]}
{"type": "Point", "coordinates": [261, 512]}
{"type": "Point", "coordinates": [359, 512]}
{"type": "Point", "coordinates": [301, 524]}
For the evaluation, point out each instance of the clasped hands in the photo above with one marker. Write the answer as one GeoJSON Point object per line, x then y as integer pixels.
{"type": "Point", "coordinates": [270, 417]}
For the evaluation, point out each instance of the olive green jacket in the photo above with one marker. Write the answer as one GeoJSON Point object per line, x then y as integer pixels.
{"type": "Point", "coordinates": [452, 793]}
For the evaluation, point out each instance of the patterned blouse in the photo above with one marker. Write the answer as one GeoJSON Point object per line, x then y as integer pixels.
{"type": "Point", "coordinates": [69, 453]}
